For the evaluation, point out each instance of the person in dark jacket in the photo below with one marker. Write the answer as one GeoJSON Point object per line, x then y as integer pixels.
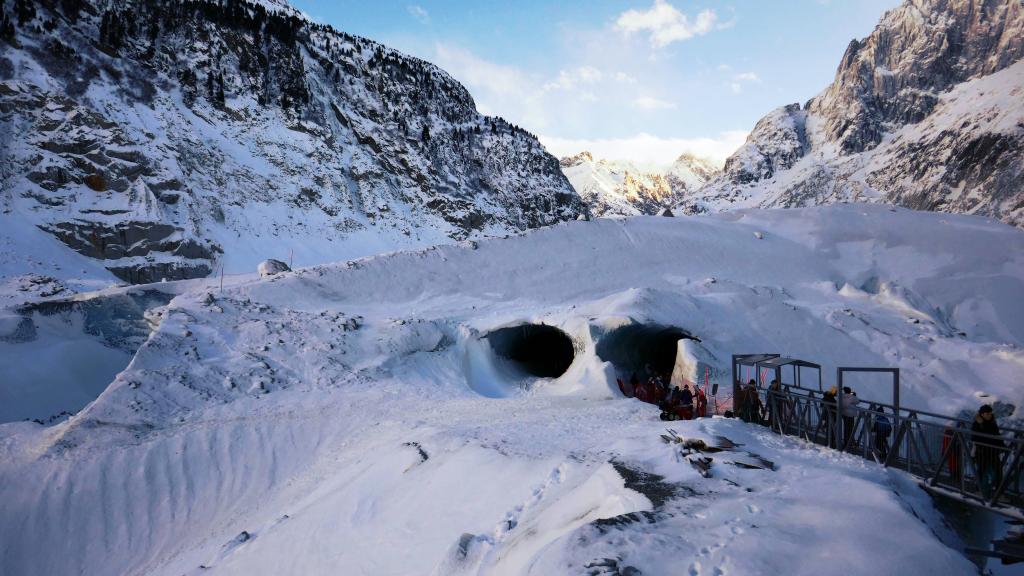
{"type": "Point", "coordinates": [672, 399]}
{"type": "Point", "coordinates": [739, 401]}
{"type": "Point", "coordinates": [829, 404]}
{"type": "Point", "coordinates": [881, 428]}
{"type": "Point", "coordinates": [670, 405]}
{"type": "Point", "coordinates": [988, 447]}
{"type": "Point", "coordinates": [774, 400]}
{"type": "Point", "coordinates": [686, 401]}
{"type": "Point", "coordinates": [686, 397]}
{"type": "Point", "coordinates": [751, 409]}
{"type": "Point", "coordinates": [658, 386]}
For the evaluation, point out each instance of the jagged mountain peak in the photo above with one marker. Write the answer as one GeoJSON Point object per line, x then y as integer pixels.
{"type": "Point", "coordinates": [576, 159]}
{"type": "Point", "coordinates": [624, 188]}
{"type": "Point", "coordinates": [918, 50]}
{"type": "Point", "coordinates": [926, 112]}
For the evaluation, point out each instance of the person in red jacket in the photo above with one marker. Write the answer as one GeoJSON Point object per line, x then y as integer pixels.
{"type": "Point", "coordinates": [702, 403]}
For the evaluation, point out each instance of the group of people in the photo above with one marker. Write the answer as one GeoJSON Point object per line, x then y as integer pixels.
{"type": "Point", "coordinates": [986, 444]}
{"type": "Point", "coordinates": [846, 408]}
{"type": "Point", "coordinates": [676, 403]}
{"type": "Point", "coordinates": [749, 407]}
{"type": "Point", "coordinates": [685, 403]}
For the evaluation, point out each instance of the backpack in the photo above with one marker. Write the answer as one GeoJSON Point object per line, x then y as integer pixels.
{"type": "Point", "coordinates": [882, 425]}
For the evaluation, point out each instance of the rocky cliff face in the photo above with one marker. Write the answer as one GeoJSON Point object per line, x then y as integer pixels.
{"type": "Point", "coordinates": [617, 188]}
{"type": "Point", "coordinates": [926, 112]}
{"type": "Point", "coordinates": [167, 137]}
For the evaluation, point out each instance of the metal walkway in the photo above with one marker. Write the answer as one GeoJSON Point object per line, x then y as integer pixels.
{"type": "Point", "coordinates": [949, 459]}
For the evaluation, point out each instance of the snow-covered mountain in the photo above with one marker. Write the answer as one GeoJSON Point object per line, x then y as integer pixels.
{"type": "Point", "coordinates": [380, 417]}
{"type": "Point", "coordinates": [164, 138]}
{"type": "Point", "coordinates": [622, 188]}
{"type": "Point", "coordinates": [926, 112]}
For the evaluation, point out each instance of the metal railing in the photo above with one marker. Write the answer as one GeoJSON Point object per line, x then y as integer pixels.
{"type": "Point", "coordinates": [941, 450]}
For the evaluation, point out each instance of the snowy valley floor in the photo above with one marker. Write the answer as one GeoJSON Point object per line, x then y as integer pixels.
{"type": "Point", "coordinates": [353, 418]}
{"type": "Point", "coordinates": [375, 482]}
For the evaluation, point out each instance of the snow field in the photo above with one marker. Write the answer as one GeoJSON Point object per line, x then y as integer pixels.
{"type": "Point", "coordinates": [340, 417]}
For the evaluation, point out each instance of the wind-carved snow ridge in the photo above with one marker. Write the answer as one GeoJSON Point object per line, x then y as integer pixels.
{"type": "Point", "coordinates": [170, 139]}
{"type": "Point", "coordinates": [913, 118]}
{"type": "Point", "coordinates": [314, 395]}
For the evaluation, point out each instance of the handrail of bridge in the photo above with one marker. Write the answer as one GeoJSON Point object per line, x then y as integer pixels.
{"type": "Point", "coordinates": [888, 407]}
{"type": "Point", "coordinates": [977, 468]}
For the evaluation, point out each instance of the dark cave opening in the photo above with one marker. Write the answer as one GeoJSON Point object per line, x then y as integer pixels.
{"type": "Point", "coordinates": [540, 350]}
{"type": "Point", "coordinates": [633, 347]}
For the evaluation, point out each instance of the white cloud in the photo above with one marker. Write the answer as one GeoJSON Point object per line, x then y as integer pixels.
{"type": "Point", "coordinates": [624, 78]}
{"type": "Point", "coordinates": [570, 79]}
{"type": "Point", "coordinates": [645, 148]}
{"type": "Point", "coordinates": [569, 102]}
{"type": "Point", "coordinates": [534, 101]}
{"type": "Point", "coordinates": [477, 72]}
{"type": "Point", "coordinates": [665, 24]}
{"type": "Point", "coordinates": [738, 80]}
{"type": "Point", "coordinates": [419, 13]}
{"type": "Point", "coordinates": [649, 103]}
{"type": "Point", "coordinates": [497, 88]}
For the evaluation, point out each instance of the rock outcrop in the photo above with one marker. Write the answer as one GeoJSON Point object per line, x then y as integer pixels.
{"type": "Point", "coordinates": [167, 137]}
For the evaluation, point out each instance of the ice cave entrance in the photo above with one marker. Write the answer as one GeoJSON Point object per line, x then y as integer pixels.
{"type": "Point", "coordinates": [538, 350]}
{"type": "Point", "coordinates": [634, 347]}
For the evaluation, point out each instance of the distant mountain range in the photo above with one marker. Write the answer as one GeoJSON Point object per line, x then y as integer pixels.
{"type": "Point", "coordinates": [927, 112]}
{"type": "Point", "coordinates": [166, 138]}
{"type": "Point", "coordinates": [620, 188]}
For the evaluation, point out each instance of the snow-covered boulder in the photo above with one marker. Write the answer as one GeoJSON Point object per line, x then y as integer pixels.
{"type": "Point", "coordinates": [270, 267]}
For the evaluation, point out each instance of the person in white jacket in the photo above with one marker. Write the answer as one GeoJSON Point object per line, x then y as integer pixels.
{"type": "Point", "coordinates": [848, 410]}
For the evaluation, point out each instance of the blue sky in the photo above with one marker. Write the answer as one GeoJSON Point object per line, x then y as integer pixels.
{"type": "Point", "coordinates": [643, 80]}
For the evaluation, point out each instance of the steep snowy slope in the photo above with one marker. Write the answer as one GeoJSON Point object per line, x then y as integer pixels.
{"type": "Point", "coordinates": [163, 139]}
{"type": "Point", "coordinates": [620, 188]}
{"type": "Point", "coordinates": [366, 418]}
{"type": "Point", "coordinates": [927, 112]}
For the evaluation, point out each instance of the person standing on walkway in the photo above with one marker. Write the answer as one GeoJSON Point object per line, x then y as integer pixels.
{"type": "Point", "coordinates": [881, 428]}
{"type": "Point", "coordinates": [848, 410]}
{"type": "Point", "coordinates": [987, 449]}
{"type": "Point", "coordinates": [739, 402]}
{"type": "Point", "coordinates": [751, 408]}
{"type": "Point", "coordinates": [774, 400]}
{"type": "Point", "coordinates": [828, 402]}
